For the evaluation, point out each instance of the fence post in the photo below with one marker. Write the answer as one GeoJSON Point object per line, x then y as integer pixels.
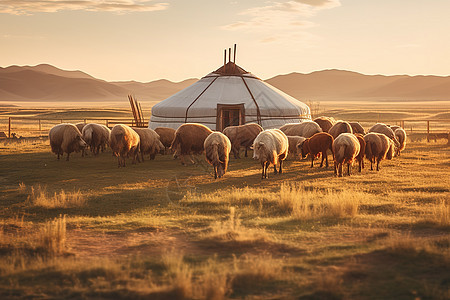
{"type": "Point", "coordinates": [428, 131]}
{"type": "Point", "coordinates": [85, 121]}
{"type": "Point", "coordinates": [9, 127]}
{"type": "Point", "coordinates": [107, 123]}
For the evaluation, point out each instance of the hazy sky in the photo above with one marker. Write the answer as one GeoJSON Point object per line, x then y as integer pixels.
{"type": "Point", "coordinates": [179, 39]}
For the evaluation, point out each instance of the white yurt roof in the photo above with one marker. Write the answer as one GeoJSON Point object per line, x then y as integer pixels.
{"type": "Point", "coordinates": [229, 85]}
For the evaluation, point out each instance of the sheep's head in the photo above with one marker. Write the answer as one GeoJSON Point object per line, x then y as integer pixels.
{"type": "Point", "coordinates": [392, 150]}
{"type": "Point", "coordinates": [301, 149]}
{"type": "Point", "coordinates": [80, 144]}
{"type": "Point", "coordinates": [259, 152]}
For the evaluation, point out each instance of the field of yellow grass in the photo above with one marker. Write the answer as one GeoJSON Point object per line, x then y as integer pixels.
{"type": "Point", "coordinates": [159, 230]}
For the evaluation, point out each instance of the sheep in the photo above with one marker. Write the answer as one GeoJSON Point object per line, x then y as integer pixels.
{"type": "Point", "coordinates": [387, 131]}
{"type": "Point", "coordinates": [65, 138]}
{"type": "Point", "coordinates": [217, 150]}
{"type": "Point", "coordinates": [96, 136]}
{"type": "Point", "coordinates": [166, 136]}
{"type": "Point", "coordinates": [378, 147]}
{"type": "Point", "coordinates": [80, 126]}
{"type": "Point", "coordinates": [340, 127]}
{"type": "Point", "coordinates": [149, 142]}
{"type": "Point", "coordinates": [400, 134]}
{"type": "Point", "coordinates": [325, 122]}
{"type": "Point", "coordinates": [242, 136]}
{"type": "Point", "coordinates": [306, 129]}
{"type": "Point", "coordinates": [362, 151]}
{"type": "Point", "coordinates": [124, 142]}
{"type": "Point", "coordinates": [315, 145]}
{"type": "Point", "coordinates": [270, 147]}
{"type": "Point", "coordinates": [293, 142]}
{"type": "Point", "coordinates": [189, 139]}
{"type": "Point", "coordinates": [357, 128]}
{"type": "Point", "coordinates": [346, 148]}
{"type": "Point", "coordinates": [394, 127]}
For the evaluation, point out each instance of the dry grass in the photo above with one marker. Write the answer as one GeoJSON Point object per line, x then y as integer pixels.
{"type": "Point", "coordinates": [441, 214]}
{"type": "Point", "coordinates": [179, 273]}
{"type": "Point", "coordinates": [52, 237]}
{"type": "Point", "coordinates": [306, 204]}
{"type": "Point", "coordinates": [40, 197]}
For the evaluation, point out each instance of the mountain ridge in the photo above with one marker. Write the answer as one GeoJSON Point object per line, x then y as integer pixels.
{"type": "Point", "coordinates": [45, 82]}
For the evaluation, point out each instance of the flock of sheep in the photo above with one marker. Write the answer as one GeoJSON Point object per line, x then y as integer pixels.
{"type": "Point", "coordinates": [347, 142]}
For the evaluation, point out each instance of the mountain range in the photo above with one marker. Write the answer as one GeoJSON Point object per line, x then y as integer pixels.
{"type": "Point", "coordinates": [46, 83]}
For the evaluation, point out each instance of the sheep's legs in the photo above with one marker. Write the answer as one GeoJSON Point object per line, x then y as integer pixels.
{"type": "Point", "coordinates": [215, 172]}
{"type": "Point", "coordinates": [312, 160]}
{"type": "Point", "coordinates": [67, 156]}
{"type": "Point", "coordinates": [348, 169]}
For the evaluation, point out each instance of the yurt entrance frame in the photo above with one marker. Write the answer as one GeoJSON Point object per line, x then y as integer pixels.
{"type": "Point", "coordinates": [230, 115]}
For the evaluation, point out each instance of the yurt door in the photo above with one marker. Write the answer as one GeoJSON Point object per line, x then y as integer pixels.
{"type": "Point", "coordinates": [229, 115]}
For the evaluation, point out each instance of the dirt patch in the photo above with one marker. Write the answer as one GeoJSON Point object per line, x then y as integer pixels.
{"type": "Point", "coordinates": [148, 241]}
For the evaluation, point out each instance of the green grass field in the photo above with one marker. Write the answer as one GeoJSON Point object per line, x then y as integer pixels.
{"type": "Point", "coordinates": [159, 230]}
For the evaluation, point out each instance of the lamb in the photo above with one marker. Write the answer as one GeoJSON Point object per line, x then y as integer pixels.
{"type": "Point", "coordinates": [293, 142]}
{"type": "Point", "coordinates": [325, 122]}
{"type": "Point", "coordinates": [316, 145]}
{"type": "Point", "coordinates": [400, 134]}
{"type": "Point", "coordinates": [66, 138]}
{"type": "Point", "coordinates": [357, 128]}
{"type": "Point", "coordinates": [166, 136]}
{"type": "Point", "coordinates": [387, 131]}
{"type": "Point", "coordinates": [270, 147]}
{"type": "Point", "coordinates": [149, 142]}
{"type": "Point", "coordinates": [124, 142]}
{"type": "Point", "coordinates": [96, 136]}
{"type": "Point", "coordinates": [378, 147]}
{"type": "Point", "coordinates": [346, 148]}
{"type": "Point", "coordinates": [217, 149]}
{"type": "Point", "coordinates": [362, 151]}
{"type": "Point", "coordinates": [242, 136]}
{"type": "Point", "coordinates": [306, 129]}
{"type": "Point", "coordinates": [189, 139]}
{"type": "Point", "coordinates": [340, 127]}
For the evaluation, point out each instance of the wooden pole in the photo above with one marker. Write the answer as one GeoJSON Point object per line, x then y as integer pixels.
{"type": "Point", "coordinates": [9, 127]}
{"type": "Point", "coordinates": [428, 131]}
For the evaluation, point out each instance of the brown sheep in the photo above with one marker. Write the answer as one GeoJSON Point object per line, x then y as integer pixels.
{"type": "Point", "coordinates": [362, 151]}
{"type": "Point", "coordinates": [96, 136]}
{"type": "Point", "coordinates": [384, 129]}
{"type": "Point", "coordinates": [394, 127]}
{"type": "Point", "coordinates": [149, 142]}
{"type": "Point", "coordinates": [340, 127]}
{"type": "Point", "coordinates": [242, 136]}
{"type": "Point", "coordinates": [166, 136]}
{"type": "Point", "coordinates": [325, 122]}
{"type": "Point", "coordinates": [65, 138]}
{"type": "Point", "coordinates": [270, 147]}
{"type": "Point", "coordinates": [190, 139]}
{"type": "Point", "coordinates": [400, 134]}
{"type": "Point", "coordinates": [80, 126]}
{"type": "Point", "coordinates": [346, 148]}
{"type": "Point", "coordinates": [378, 147]}
{"type": "Point", "coordinates": [357, 128]}
{"type": "Point", "coordinates": [217, 150]}
{"type": "Point", "coordinates": [316, 145]}
{"type": "Point", "coordinates": [124, 142]}
{"type": "Point", "coordinates": [306, 129]}
{"type": "Point", "coordinates": [293, 142]}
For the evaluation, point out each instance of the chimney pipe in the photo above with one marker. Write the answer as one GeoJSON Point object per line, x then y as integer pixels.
{"type": "Point", "coordinates": [225, 60]}
{"type": "Point", "coordinates": [229, 54]}
{"type": "Point", "coordinates": [234, 59]}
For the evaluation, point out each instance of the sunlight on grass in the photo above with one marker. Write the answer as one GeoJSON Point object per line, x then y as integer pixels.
{"type": "Point", "coordinates": [40, 197]}
{"type": "Point", "coordinates": [441, 213]}
{"type": "Point", "coordinates": [53, 236]}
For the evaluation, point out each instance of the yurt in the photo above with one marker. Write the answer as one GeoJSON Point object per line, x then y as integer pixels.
{"type": "Point", "coordinates": [229, 96]}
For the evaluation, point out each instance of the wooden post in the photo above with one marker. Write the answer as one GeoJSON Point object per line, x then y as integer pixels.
{"type": "Point", "coordinates": [428, 131]}
{"type": "Point", "coordinates": [9, 127]}
{"type": "Point", "coordinates": [84, 121]}
{"type": "Point", "coordinates": [106, 123]}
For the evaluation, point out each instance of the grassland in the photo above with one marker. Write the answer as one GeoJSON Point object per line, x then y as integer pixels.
{"type": "Point", "coordinates": [158, 230]}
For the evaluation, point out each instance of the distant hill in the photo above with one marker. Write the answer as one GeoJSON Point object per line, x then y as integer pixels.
{"type": "Point", "coordinates": [48, 83]}
{"type": "Point", "coordinates": [347, 85]}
